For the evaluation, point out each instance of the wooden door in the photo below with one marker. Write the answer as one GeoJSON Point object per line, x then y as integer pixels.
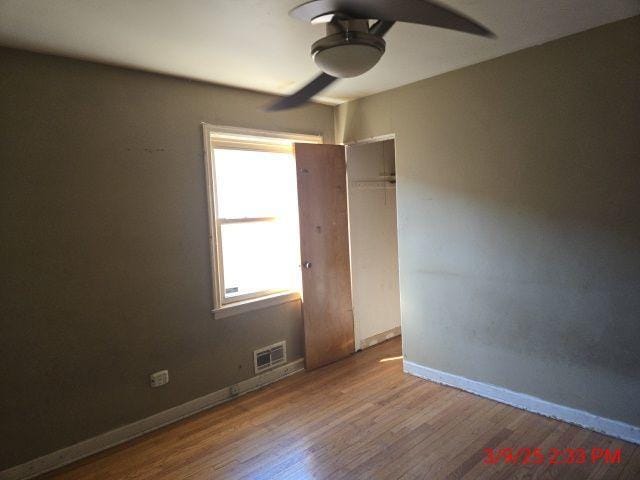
{"type": "Point", "coordinates": [324, 248]}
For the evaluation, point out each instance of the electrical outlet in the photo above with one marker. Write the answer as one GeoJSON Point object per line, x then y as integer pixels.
{"type": "Point", "coordinates": [233, 389]}
{"type": "Point", "coordinates": [159, 378]}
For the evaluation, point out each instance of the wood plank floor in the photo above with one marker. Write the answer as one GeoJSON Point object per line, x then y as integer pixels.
{"type": "Point", "coordinates": [360, 418]}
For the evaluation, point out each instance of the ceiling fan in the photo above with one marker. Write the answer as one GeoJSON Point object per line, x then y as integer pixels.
{"type": "Point", "coordinates": [352, 46]}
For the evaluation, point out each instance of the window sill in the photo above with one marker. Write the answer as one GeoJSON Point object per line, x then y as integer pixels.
{"type": "Point", "coordinates": [238, 308]}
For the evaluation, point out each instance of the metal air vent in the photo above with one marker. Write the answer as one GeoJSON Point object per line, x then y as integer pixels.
{"type": "Point", "coordinates": [268, 357]}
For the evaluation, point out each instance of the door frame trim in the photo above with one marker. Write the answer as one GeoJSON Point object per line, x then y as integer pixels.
{"type": "Point", "coordinates": [354, 143]}
{"type": "Point", "coordinates": [377, 138]}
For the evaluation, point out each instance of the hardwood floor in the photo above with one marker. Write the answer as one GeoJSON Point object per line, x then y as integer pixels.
{"type": "Point", "coordinates": [360, 418]}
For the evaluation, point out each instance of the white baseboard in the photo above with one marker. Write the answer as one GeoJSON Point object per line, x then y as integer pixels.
{"type": "Point", "coordinates": [581, 418]}
{"type": "Point", "coordinates": [379, 338]}
{"type": "Point", "coordinates": [111, 438]}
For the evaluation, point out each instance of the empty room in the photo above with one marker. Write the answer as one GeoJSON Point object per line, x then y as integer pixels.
{"type": "Point", "coordinates": [320, 239]}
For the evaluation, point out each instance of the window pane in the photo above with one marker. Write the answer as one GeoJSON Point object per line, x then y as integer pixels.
{"type": "Point", "coordinates": [260, 256]}
{"type": "Point", "coordinates": [255, 184]}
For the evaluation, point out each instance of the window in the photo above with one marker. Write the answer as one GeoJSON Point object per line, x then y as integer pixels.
{"type": "Point", "coordinates": [254, 214]}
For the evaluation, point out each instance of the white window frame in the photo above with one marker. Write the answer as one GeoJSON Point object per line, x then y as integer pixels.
{"type": "Point", "coordinates": [241, 139]}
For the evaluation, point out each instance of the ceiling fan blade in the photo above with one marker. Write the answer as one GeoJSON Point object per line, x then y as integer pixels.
{"type": "Point", "coordinates": [423, 12]}
{"type": "Point", "coordinates": [296, 99]}
{"type": "Point", "coordinates": [380, 28]}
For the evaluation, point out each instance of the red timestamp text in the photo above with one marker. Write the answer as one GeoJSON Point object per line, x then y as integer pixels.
{"type": "Point", "coordinates": [551, 456]}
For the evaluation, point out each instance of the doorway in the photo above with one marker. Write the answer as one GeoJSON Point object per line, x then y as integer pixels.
{"type": "Point", "coordinates": [373, 236]}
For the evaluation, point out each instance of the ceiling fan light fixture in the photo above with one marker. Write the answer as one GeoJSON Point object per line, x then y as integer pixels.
{"type": "Point", "coordinates": [347, 54]}
{"type": "Point", "coordinates": [352, 46]}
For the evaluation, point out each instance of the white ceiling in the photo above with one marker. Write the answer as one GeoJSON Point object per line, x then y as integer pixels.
{"type": "Point", "coordinates": [255, 44]}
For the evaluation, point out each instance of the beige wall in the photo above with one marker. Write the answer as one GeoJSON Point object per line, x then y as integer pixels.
{"type": "Point", "coordinates": [105, 256]}
{"type": "Point", "coordinates": [519, 218]}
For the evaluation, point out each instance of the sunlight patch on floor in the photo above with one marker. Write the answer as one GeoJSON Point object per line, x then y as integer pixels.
{"type": "Point", "coordinates": [390, 359]}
